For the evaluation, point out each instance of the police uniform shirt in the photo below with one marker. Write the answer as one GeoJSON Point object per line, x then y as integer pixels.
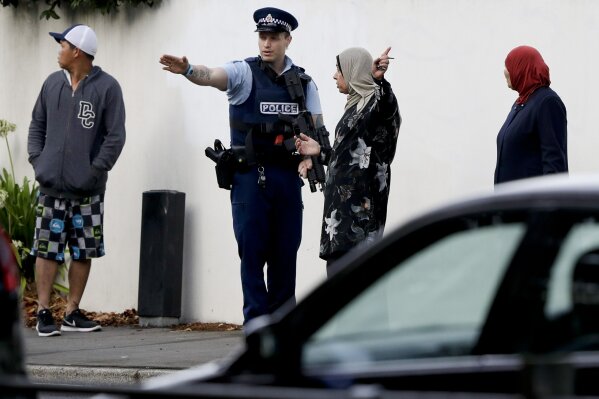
{"type": "Point", "coordinates": [239, 85]}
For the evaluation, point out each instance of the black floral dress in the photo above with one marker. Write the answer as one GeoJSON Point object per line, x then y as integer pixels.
{"type": "Point", "coordinates": [357, 185]}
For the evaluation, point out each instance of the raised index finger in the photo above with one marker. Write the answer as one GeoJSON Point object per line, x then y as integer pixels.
{"type": "Point", "coordinates": [386, 52]}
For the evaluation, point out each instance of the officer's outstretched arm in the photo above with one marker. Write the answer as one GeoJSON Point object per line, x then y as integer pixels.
{"type": "Point", "coordinates": [198, 74]}
{"type": "Point", "coordinates": [204, 76]}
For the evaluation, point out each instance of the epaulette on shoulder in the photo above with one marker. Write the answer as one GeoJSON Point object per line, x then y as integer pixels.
{"type": "Point", "coordinates": [303, 75]}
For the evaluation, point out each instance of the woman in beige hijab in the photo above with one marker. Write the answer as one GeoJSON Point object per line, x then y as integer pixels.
{"type": "Point", "coordinates": [358, 175]}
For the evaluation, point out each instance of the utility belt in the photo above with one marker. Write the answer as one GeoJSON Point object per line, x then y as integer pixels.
{"type": "Point", "coordinates": [241, 159]}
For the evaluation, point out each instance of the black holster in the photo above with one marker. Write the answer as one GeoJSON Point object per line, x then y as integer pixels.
{"type": "Point", "coordinates": [228, 161]}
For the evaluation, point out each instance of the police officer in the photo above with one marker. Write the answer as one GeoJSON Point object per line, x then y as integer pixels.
{"type": "Point", "coordinates": [266, 196]}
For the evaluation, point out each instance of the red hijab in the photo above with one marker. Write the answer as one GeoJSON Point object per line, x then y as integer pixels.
{"type": "Point", "coordinates": [527, 71]}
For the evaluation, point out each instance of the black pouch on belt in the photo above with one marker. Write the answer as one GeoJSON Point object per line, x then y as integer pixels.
{"type": "Point", "coordinates": [228, 161]}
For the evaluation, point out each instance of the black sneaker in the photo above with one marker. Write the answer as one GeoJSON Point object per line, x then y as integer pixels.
{"type": "Point", "coordinates": [77, 321]}
{"type": "Point", "coordinates": [45, 326]}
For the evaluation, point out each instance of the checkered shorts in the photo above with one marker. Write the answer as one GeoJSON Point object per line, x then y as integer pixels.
{"type": "Point", "coordinates": [78, 222]}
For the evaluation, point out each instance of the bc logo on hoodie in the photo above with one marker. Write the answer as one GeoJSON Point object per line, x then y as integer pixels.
{"type": "Point", "coordinates": [86, 114]}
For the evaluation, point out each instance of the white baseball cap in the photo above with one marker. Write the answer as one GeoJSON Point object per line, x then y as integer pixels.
{"type": "Point", "coordinates": [80, 36]}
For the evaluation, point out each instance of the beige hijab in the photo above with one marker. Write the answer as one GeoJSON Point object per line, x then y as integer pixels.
{"type": "Point", "coordinates": [356, 67]}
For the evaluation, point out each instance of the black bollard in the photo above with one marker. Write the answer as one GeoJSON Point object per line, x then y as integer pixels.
{"type": "Point", "coordinates": [161, 258]}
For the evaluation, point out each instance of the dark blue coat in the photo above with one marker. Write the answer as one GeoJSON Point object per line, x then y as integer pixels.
{"type": "Point", "coordinates": [532, 141]}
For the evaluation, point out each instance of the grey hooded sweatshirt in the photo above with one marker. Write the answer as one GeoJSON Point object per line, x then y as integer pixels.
{"type": "Point", "coordinates": [76, 137]}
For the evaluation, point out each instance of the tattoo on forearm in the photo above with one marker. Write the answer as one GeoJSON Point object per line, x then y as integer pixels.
{"type": "Point", "coordinates": [201, 73]}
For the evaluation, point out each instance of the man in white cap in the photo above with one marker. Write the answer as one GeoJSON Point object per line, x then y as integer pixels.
{"type": "Point", "coordinates": [266, 196]}
{"type": "Point", "coordinates": [76, 135]}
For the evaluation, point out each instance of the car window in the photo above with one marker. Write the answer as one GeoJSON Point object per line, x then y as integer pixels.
{"type": "Point", "coordinates": [433, 303]}
{"type": "Point", "coordinates": [582, 238]}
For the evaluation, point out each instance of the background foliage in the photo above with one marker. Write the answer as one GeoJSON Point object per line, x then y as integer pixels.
{"type": "Point", "coordinates": [17, 216]}
{"type": "Point", "coordinates": [17, 209]}
{"type": "Point", "coordinates": [104, 6]}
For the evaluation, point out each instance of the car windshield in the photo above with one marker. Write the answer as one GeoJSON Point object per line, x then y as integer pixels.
{"type": "Point", "coordinates": [432, 304]}
{"type": "Point", "coordinates": [436, 302]}
{"type": "Point", "coordinates": [582, 238]}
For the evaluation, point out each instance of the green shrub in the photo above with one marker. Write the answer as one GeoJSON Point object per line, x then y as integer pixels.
{"type": "Point", "coordinates": [17, 210]}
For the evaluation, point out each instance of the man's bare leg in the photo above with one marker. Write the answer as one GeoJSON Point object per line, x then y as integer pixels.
{"type": "Point", "coordinates": [78, 275]}
{"type": "Point", "coordinates": [45, 273]}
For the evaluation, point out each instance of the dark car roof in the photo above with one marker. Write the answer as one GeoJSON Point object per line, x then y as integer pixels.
{"type": "Point", "coordinates": [540, 191]}
{"type": "Point", "coordinates": [551, 191]}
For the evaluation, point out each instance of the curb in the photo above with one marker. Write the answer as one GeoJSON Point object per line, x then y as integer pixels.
{"type": "Point", "coordinates": [92, 375]}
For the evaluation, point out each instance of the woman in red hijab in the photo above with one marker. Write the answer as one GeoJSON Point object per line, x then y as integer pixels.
{"type": "Point", "coordinates": [532, 141]}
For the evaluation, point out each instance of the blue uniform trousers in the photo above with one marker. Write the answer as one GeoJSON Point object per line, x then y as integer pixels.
{"type": "Point", "coordinates": [268, 224]}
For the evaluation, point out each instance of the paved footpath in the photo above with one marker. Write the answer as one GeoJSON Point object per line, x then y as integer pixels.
{"type": "Point", "coordinates": [123, 355]}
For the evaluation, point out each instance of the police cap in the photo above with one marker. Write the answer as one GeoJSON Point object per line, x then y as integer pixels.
{"type": "Point", "coordinates": [270, 19]}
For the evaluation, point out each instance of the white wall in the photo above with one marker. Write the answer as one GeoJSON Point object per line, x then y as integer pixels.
{"type": "Point", "coordinates": [447, 74]}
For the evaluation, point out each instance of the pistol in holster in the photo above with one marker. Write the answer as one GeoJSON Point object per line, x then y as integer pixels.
{"type": "Point", "coordinates": [228, 161]}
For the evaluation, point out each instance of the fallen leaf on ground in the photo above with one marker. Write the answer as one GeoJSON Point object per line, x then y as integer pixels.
{"type": "Point", "coordinates": [128, 317]}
